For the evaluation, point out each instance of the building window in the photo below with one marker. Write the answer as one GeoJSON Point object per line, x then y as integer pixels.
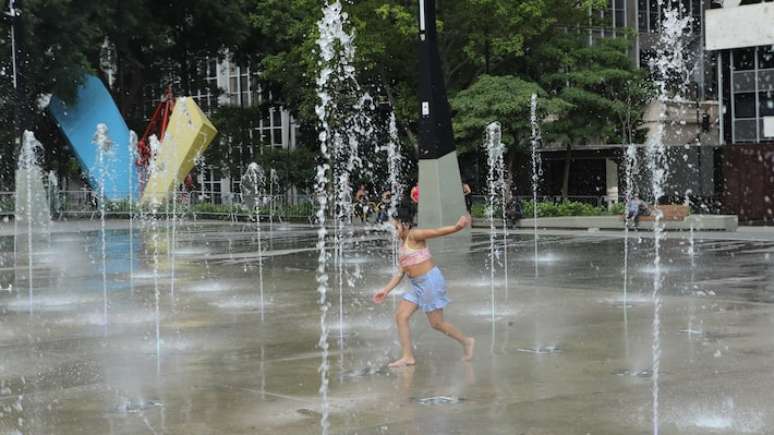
{"type": "Point", "coordinates": [204, 90]}
{"type": "Point", "coordinates": [752, 92]}
{"type": "Point", "coordinates": [211, 187]}
{"type": "Point", "coordinates": [236, 183]}
{"type": "Point", "coordinates": [650, 15]}
{"type": "Point", "coordinates": [619, 13]}
{"type": "Point", "coordinates": [744, 59]}
{"type": "Point", "coordinates": [268, 132]}
{"type": "Point", "coordinates": [766, 57]}
{"type": "Point", "coordinates": [744, 105]}
{"type": "Point", "coordinates": [239, 86]}
{"type": "Point", "coordinates": [766, 103]}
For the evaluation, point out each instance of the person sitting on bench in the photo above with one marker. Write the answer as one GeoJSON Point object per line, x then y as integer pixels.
{"type": "Point", "coordinates": [636, 208]}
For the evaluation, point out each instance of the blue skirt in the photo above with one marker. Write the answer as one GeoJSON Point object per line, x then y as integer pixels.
{"type": "Point", "coordinates": [428, 291]}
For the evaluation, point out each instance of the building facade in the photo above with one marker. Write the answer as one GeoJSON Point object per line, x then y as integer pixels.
{"type": "Point", "coordinates": [741, 35]}
{"type": "Point", "coordinates": [691, 126]}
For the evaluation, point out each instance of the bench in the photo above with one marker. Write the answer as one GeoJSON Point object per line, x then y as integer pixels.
{"type": "Point", "coordinates": [671, 212]}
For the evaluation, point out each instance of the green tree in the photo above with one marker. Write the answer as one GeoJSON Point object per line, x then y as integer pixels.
{"type": "Point", "coordinates": [154, 42]}
{"type": "Point", "coordinates": [500, 98]}
{"type": "Point", "coordinates": [603, 86]}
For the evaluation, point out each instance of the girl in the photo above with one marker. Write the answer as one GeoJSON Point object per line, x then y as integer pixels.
{"type": "Point", "coordinates": [428, 286]}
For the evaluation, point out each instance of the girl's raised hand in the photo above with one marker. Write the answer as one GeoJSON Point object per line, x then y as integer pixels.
{"type": "Point", "coordinates": [464, 221]}
{"type": "Point", "coordinates": [379, 296]}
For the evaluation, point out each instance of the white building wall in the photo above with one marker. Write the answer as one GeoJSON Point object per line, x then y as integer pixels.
{"type": "Point", "coordinates": [738, 27]}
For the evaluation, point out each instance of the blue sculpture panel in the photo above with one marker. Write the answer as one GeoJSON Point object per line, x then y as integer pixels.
{"type": "Point", "coordinates": [78, 122]}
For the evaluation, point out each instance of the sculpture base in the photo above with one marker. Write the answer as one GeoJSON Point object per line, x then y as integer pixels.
{"type": "Point", "coordinates": [441, 201]}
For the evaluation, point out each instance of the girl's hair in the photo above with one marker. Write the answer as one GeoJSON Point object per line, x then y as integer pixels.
{"type": "Point", "coordinates": [404, 214]}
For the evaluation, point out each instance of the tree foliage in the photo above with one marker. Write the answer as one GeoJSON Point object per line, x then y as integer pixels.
{"type": "Point", "coordinates": [505, 99]}
{"type": "Point", "coordinates": [495, 54]}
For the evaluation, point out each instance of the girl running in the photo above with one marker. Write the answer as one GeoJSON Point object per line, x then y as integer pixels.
{"type": "Point", "coordinates": [428, 286]}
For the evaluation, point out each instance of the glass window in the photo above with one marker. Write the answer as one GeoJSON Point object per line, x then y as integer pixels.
{"type": "Point", "coordinates": [256, 89]}
{"type": "Point", "coordinates": [276, 118]}
{"type": "Point", "coordinates": [276, 136]}
{"type": "Point", "coordinates": [620, 18]}
{"type": "Point", "coordinates": [744, 59]}
{"type": "Point", "coordinates": [744, 81]}
{"type": "Point", "coordinates": [766, 57]}
{"type": "Point", "coordinates": [766, 103]}
{"type": "Point", "coordinates": [243, 83]}
{"type": "Point", "coordinates": [744, 105]}
{"type": "Point", "coordinates": [653, 15]}
{"type": "Point", "coordinates": [642, 15]}
{"type": "Point", "coordinates": [766, 80]}
{"type": "Point", "coordinates": [745, 130]}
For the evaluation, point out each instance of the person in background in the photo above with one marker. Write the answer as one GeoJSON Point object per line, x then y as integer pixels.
{"type": "Point", "coordinates": [635, 209]}
{"type": "Point", "coordinates": [513, 209]}
{"type": "Point", "coordinates": [361, 203]}
{"type": "Point", "coordinates": [468, 193]}
{"type": "Point", "coordinates": [384, 207]}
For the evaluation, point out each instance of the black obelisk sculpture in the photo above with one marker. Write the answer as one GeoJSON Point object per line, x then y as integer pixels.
{"type": "Point", "coordinates": [440, 187]}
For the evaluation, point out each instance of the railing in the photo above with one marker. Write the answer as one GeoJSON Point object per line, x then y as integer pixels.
{"type": "Point", "coordinates": [85, 204]}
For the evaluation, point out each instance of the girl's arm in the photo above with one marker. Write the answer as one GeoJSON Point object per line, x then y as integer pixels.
{"type": "Point", "coordinates": [379, 296]}
{"type": "Point", "coordinates": [463, 222]}
{"type": "Point", "coordinates": [394, 281]}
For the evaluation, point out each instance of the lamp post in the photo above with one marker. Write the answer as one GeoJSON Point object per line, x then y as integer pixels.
{"type": "Point", "coordinates": [14, 17]}
{"type": "Point", "coordinates": [440, 185]}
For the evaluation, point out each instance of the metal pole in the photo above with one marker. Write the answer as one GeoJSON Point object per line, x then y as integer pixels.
{"type": "Point", "coordinates": [17, 28]}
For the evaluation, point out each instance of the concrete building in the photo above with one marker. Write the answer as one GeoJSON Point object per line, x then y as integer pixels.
{"type": "Point", "coordinates": [741, 35]}
{"type": "Point", "coordinates": [691, 126]}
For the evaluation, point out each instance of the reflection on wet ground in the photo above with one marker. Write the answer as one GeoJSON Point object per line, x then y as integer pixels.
{"type": "Point", "coordinates": [567, 353]}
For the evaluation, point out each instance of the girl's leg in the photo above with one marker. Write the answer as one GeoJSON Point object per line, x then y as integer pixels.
{"type": "Point", "coordinates": [402, 317]}
{"type": "Point", "coordinates": [439, 324]}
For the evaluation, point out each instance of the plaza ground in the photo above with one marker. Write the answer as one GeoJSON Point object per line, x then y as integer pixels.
{"type": "Point", "coordinates": [567, 353]}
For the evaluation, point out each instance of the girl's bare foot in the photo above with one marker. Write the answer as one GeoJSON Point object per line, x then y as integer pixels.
{"type": "Point", "coordinates": [470, 344]}
{"type": "Point", "coordinates": [403, 362]}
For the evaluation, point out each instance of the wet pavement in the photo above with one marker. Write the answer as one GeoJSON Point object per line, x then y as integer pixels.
{"type": "Point", "coordinates": [567, 352]}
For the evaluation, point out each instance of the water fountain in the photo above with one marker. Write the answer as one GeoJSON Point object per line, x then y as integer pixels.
{"type": "Point", "coordinates": [156, 291]}
{"type": "Point", "coordinates": [495, 198]}
{"type": "Point", "coordinates": [153, 218]}
{"type": "Point", "coordinates": [535, 172]}
{"type": "Point", "coordinates": [394, 160]}
{"type": "Point", "coordinates": [630, 172]}
{"type": "Point", "coordinates": [253, 192]}
{"type": "Point", "coordinates": [104, 147]}
{"type": "Point", "coordinates": [132, 158]}
{"type": "Point", "coordinates": [343, 113]}
{"type": "Point", "coordinates": [669, 65]}
{"type": "Point", "coordinates": [32, 208]}
{"type": "Point", "coordinates": [273, 190]}
{"type": "Point", "coordinates": [330, 26]}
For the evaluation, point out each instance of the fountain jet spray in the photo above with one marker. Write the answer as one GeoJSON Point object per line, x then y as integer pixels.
{"type": "Point", "coordinates": [32, 204]}
{"type": "Point", "coordinates": [536, 165]}
{"type": "Point", "coordinates": [495, 198]}
{"type": "Point", "coordinates": [104, 149]}
{"type": "Point", "coordinates": [670, 67]}
{"type": "Point", "coordinates": [254, 190]}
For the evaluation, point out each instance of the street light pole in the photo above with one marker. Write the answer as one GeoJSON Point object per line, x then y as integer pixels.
{"type": "Point", "coordinates": [17, 29]}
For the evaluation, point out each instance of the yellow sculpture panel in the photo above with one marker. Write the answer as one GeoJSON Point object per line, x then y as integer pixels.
{"type": "Point", "coordinates": [188, 135]}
